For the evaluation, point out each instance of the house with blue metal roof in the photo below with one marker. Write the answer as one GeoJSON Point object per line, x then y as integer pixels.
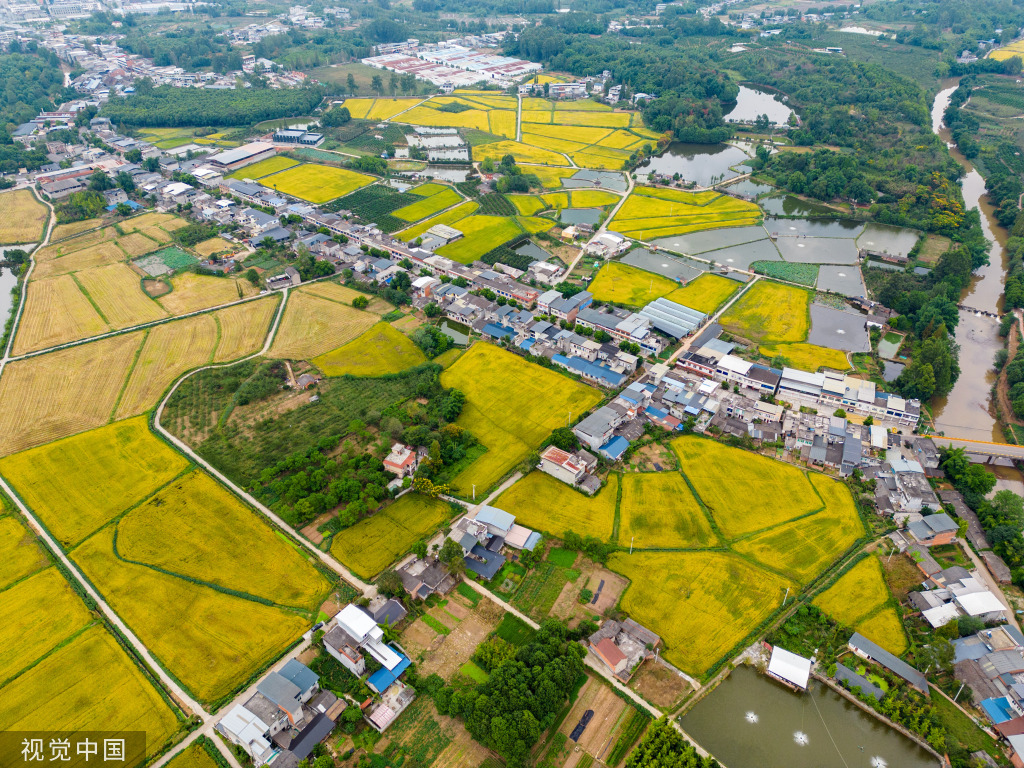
{"type": "Point", "coordinates": [614, 448]}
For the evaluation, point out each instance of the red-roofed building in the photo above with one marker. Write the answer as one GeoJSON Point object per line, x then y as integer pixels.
{"type": "Point", "coordinates": [611, 655]}
{"type": "Point", "coordinates": [402, 461]}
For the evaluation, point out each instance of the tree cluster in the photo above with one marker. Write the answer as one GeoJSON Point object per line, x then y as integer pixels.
{"type": "Point", "coordinates": [523, 695]}
{"type": "Point", "coordinates": [172, 107]}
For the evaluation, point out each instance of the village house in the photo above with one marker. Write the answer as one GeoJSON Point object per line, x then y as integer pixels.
{"type": "Point", "coordinates": [402, 461]}
{"type": "Point", "coordinates": [571, 468]}
{"type": "Point", "coordinates": [622, 646]}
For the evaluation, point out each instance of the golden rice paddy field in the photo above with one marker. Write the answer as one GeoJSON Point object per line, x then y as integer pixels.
{"type": "Point", "coordinates": [208, 640]}
{"type": "Point", "coordinates": [650, 212]}
{"type": "Point", "coordinates": [523, 153]}
{"type": "Point", "coordinates": [435, 198]}
{"type": "Point", "coordinates": [449, 217]}
{"type": "Point", "coordinates": [482, 234]}
{"type": "Point", "coordinates": [379, 351]}
{"type": "Point", "coordinates": [62, 231]}
{"type": "Point", "coordinates": [191, 292]}
{"type": "Point", "coordinates": [624, 284]}
{"type": "Point", "coordinates": [214, 245]}
{"type": "Point", "coordinates": [86, 386]}
{"type": "Point", "coordinates": [657, 510]}
{"type": "Point", "coordinates": [784, 491]}
{"type": "Point", "coordinates": [88, 684]}
{"type": "Point", "coordinates": [22, 217]}
{"type": "Point", "coordinates": [317, 183]}
{"type": "Point", "coordinates": [807, 357]}
{"type": "Point", "coordinates": [193, 756]}
{"type": "Point", "coordinates": [372, 544]}
{"type": "Point", "coordinates": [705, 294]}
{"type": "Point", "coordinates": [22, 554]}
{"type": "Point", "coordinates": [543, 503]}
{"type": "Point", "coordinates": [313, 325]}
{"type": "Point", "coordinates": [702, 603]}
{"type": "Point", "coordinates": [770, 313]}
{"type": "Point", "coordinates": [511, 407]}
{"type": "Point", "coordinates": [115, 290]}
{"type": "Point", "coordinates": [198, 529]}
{"type": "Point", "coordinates": [263, 168]}
{"type": "Point", "coordinates": [1016, 48]}
{"type": "Point", "coordinates": [79, 484]}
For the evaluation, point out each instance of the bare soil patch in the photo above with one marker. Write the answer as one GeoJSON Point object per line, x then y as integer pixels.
{"type": "Point", "coordinates": [568, 607]}
{"type": "Point", "coordinates": [155, 288]}
{"type": "Point", "coordinates": [660, 685]}
{"type": "Point", "coordinates": [456, 648]}
{"type": "Point", "coordinates": [653, 457]}
{"type": "Point", "coordinates": [418, 638]}
{"type": "Point", "coordinates": [598, 737]}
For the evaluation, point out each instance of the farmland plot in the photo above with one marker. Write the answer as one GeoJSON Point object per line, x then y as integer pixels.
{"type": "Point", "coordinates": [56, 312]}
{"type": "Point", "coordinates": [770, 313]}
{"type": "Point", "coordinates": [21, 553]}
{"type": "Point", "coordinates": [116, 290]}
{"type": "Point", "coordinates": [78, 484]}
{"type": "Point", "coordinates": [540, 501]}
{"type": "Point", "coordinates": [312, 326]}
{"type": "Point", "coordinates": [243, 328]}
{"type": "Point", "coordinates": [63, 392]}
{"type": "Point", "coordinates": [379, 351]}
{"type": "Point", "coordinates": [659, 511]}
{"type": "Point", "coordinates": [372, 544]}
{"type": "Point", "coordinates": [22, 217]}
{"type": "Point", "coordinates": [191, 292]}
{"type": "Point", "coordinates": [511, 407]}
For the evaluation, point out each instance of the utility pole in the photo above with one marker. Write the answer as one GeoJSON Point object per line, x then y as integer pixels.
{"type": "Point", "coordinates": [631, 544]}
{"type": "Point", "coordinates": [474, 491]}
{"type": "Point", "coordinates": [786, 597]}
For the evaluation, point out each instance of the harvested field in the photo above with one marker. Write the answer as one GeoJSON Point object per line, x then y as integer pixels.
{"type": "Point", "coordinates": [705, 294]}
{"type": "Point", "coordinates": [598, 737]}
{"type": "Point", "coordinates": [379, 351]}
{"type": "Point", "coordinates": [37, 615]}
{"type": "Point", "coordinates": [215, 245]}
{"type": "Point", "coordinates": [511, 407]}
{"type": "Point", "coordinates": [339, 293]}
{"type": "Point", "coordinates": [24, 217]}
{"type": "Point", "coordinates": [168, 351]}
{"type": "Point", "coordinates": [191, 292]}
{"type": "Point", "coordinates": [57, 250]}
{"type": "Point", "coordinates": [770, 313]}
{"type": "Point", "coordinates": [807, 357]}
{"type": "Point", "coordinates": [744, 491]}
{"type": "Point", "coordinates": [88, 684]}
{"type": "Point", "coordinates": [166, 221]}
{"type": "Point", "coordinates": [243, 328]}
{"type": "Point", "coordinates": [20, 551]}
{"type": "Point", "coordinates": [317, 183]}
{"type": "Point", "coordinates": [209, 640]}
{"type": "Point", "coordinates": [136, 244]}
{"type": "Point", "coordinates": [117, 291]}
{"type": "Point", "coordinates": [80, 483]}
{"type": "Point", "coordinates": [312, 326]}
{"type": "Point", "coordinates": [56, 312]}
{"type": "Point", "coordinates": [628, 285]}
{"type": "Point", "coordinates": [660, 685]}
{"type": "Point", "coordinates": [87, 258]}
{"type": "Point", "coordinates": [702, 603]}
{"type": "Point", "coordinates": [459, 644]}
{"type": "Point", "coordinates": [541, 502]}
{"type": "Point", "coordinates": [197, 528]}
{"type": "Point", "coordinates": [372, 544]}
{"type": "Point", "coordinates": [63, 392]}
{"type": "Point", "coordinates": [659, 511]}
{"type": "Point", "coordinates": [63, 231]}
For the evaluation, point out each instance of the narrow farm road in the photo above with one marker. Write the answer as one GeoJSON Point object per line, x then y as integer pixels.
{"type": "Point", "coordinates": [368, 590]}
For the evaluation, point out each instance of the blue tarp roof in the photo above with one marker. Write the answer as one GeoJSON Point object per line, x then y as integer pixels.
{"type": "Point", "coordinates": [998, 710]}
{"type": "Point", "coordinates": [527, 343]}
{"type": "Point", "coordinates": [498, 331]}
{"type": "Point", "coordinates": [615, 447]}
{"type": "Point", "coordinates": [382, 679]}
